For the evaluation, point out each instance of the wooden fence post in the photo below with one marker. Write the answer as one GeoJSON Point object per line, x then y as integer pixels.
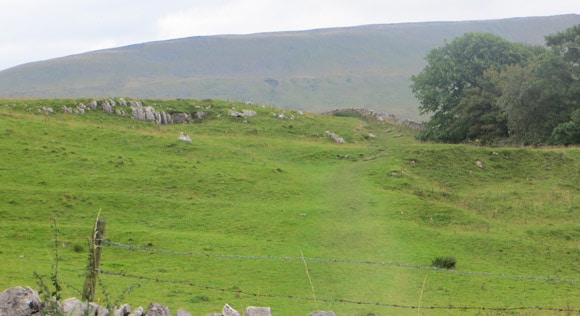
{"type": "Point", "coordinates": [92, 272]}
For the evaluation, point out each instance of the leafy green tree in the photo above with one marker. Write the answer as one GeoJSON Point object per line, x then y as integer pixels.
{"type": "Point", "coordinates": [567, 133]}
{"type": "Point", "coordinates": [566, 44]}
{"type": "Point", "coordinates": [531, 98]}
{"type": "Point", "coordinates": [539, 98]}
{"type": "Point", "coordinates": [452, 87]}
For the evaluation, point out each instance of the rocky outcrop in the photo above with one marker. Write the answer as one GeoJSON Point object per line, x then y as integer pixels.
{"type": "Point", "coordinates": [379, 116]}
{"type": "Point", "coordinates": [334, 136]}
{"type": "Point", "coordinates": [243, 113]}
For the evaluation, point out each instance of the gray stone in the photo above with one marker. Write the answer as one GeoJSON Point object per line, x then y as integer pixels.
{"type": "Point", "coordinates": [75, 307]}
{"type": "Point", "coordinates": [257, 311]}
{"type": "Point", "coordinates": [181, 312]}
{"type": "Point", "coordinates": [155, 309]}
{"type": "Point", "coordinates": [66, 109]}
{"type": "Point", "coordinates": [179, 117]}
{"type": "Point", "coordinates": [165, 118]}
{"type": "Point", "coordinates": [150, 113]}
{"type": "Point", "coordinates": [137, 312]}
{"type": "Point", "coordinates": [123, 310]}
{"type": "Point", "coordinates": [102, 311]}
{"type": "Point", "coordinates": [107, 108]}
{"type": "Point", "coordinates": [229, 311]}
{"type": "Point", "coordinates": [244, 113]}
{"type": "Point", "coordinates": [321, 313]}
{"type": "Point", "coordinates": [138, 112]}
{"type": "Point", "coordinates": [19, 301]}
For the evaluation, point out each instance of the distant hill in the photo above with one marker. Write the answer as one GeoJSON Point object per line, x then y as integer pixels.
{"type": "Point", "coordinates": [318, 70]}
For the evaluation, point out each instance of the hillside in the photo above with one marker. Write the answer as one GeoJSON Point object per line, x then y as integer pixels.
{"type": "Point", "coordinates": [366, 66]}
{"type": "Point", "coordinates": [266, 210]}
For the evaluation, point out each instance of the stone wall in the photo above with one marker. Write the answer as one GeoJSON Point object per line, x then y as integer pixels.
{"type": "Point", "coordinates": [19, 301]}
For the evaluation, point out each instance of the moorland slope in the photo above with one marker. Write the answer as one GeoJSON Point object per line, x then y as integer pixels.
{"type": "Point", "coordinates": [366, 66]}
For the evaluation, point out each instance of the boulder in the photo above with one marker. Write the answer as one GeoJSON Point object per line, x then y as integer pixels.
{"type": "Point", "coordinates": [155, 309]}
{"type": "Point", "coordinates": [138, 112]}
{"type": "Point", "coordinates": [137, 312]}
{"type": "Point", "coordinates": [150, 113]}
{"type": "Point", "coordinates": [179, 117]}
{"type": "Point", "coordinates": [229, 311]}
{"type": "Point", "coordinates": [181, 312]}
{"type": "Point", "coordinates": [107, 108]}
{"type": "Point", "coordinates": [123, 310]}
{"type": "Point", "coordinates": [257, 311]}
{"type": "Point", "coordinates": [19, 301]}
{"type": "Point", "coordinates": [75, 307]}
{"type": "Point", "coordinates": [321, 313]}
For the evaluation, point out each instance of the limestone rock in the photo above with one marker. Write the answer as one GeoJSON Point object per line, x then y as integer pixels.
{"type": "Point", "coordinates": [321, 313]}
{"type": "Point", "coordinates": [181, 312]}
{"type": "Point", "coordinates": [257, 311]}
{"type": "Point", "coordinates": [107, 108]}
{"type": "Point", "coordinates": [179, 117]}
{"type": "Point", "coordinates": [19, 301]}
{"type": "Point", "coordinates": [155, 309]}
{"type": "Point", "coordinates": [184, 137]}
{"type": "Point", "coordinates": [123, 310]}
{"type": "Point", "coordinates": [137, 312]}
{"type": "Point", "coordinates": [75, 307]}
{"type": "Point", "coordinates": [229, 311]}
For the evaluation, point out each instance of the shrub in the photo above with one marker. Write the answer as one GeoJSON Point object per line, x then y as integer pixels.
{"type": "Point", "coordinates": [78, 248]}
{"type": "Point", "coordinates": [444, 262]}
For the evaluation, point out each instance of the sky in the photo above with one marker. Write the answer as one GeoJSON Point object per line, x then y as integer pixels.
{"type": "Point", "coordinates": [33, 30]}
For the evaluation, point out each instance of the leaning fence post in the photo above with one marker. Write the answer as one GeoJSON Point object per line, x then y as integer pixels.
{"type": "Point", "coordinates": [92, 272]}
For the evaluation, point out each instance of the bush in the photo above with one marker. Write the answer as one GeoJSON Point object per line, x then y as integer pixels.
{"type": "Point", "coordinates": [78, 248]}
{"type": "Point", "coordinates": [444, 262]}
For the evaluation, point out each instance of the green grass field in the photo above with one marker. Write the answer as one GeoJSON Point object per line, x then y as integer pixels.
{"type": "Point", "coordinates": [223, 211]}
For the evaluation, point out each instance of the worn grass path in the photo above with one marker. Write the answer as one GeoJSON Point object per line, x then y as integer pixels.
{"type": "Point", "coordinates": [358, 225]}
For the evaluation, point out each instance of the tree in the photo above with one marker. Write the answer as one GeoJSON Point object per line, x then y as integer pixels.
{"type": "Point", "coordinates": [566, 44]}
{"type": "Point", "coordinates": [539, 98]}
{"type": "Point", "coordinates": [567, 133]}
{"type": "Point", "coordinates": [453, 89]}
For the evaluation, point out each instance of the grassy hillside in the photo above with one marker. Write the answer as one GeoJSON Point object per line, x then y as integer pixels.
{"type": "Point", "coordinates": [318, 70]}
{"type": "Point", "coordinates": [228, 217]}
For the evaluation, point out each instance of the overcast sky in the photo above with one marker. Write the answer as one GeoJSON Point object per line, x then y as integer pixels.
{"type": "Point", "coordinates": [32, 30]}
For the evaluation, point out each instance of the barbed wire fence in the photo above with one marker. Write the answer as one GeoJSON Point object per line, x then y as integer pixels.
{"type": "Point", "coordinates": [239, 292]}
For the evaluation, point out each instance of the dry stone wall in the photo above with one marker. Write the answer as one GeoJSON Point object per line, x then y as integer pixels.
{"type": "Point", "coordinates": [19, 301]}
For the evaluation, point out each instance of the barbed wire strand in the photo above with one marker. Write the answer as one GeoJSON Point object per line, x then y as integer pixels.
{"type": "Point", "coordinates": [381, 263]}
{"type": "Point", "coordinates": [238, 292]}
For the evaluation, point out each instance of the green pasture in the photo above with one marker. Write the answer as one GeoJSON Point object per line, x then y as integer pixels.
{"type": "Point", "coordinates": [359, 223]}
